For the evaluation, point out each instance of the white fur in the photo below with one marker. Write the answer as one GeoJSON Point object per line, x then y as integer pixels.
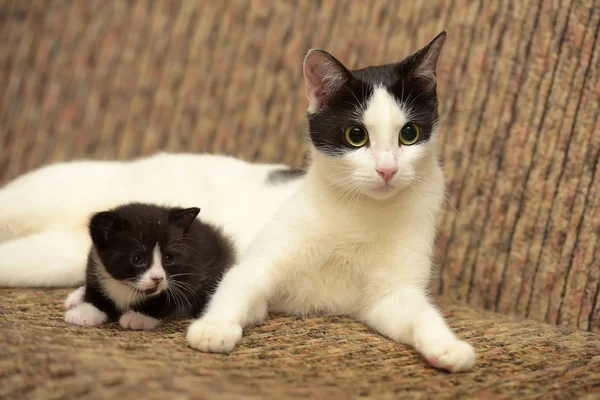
{"type": "Point", "coordinates": [44, 239]}
{"type": "Point", "coordinates": [348, 243]}
{"type": "Point", "coordinates": [156, 271]}
{"type": "Point", "coordinates": [85, 314]}
{"type": "Point", "coordinates": [137, 321]}
{"type": "Point", "coordinates": [75, 298]}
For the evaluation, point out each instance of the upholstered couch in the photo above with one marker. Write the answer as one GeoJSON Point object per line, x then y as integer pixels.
{"type": "Point", "coordinates": [519, 244]}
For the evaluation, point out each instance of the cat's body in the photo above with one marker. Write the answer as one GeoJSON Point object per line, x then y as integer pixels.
{"type": "Point", "coordinates": [357, 238]}
{"type": "Point", "coordinates": [148, 263]}
{"type": "Point", "coordinates": [44, 239]}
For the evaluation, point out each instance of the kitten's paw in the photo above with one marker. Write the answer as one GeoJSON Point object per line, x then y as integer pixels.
{"type": "Point", "coordinates": [85, 314]}
{"type": "Point", "coordinates": [452, 355]}
{"type": "Point", "coordinates": [212, 336]}
{"type": "Point", "coordinates": [75, 298]}
{"type": "Point", "coordinates": [137, 321]}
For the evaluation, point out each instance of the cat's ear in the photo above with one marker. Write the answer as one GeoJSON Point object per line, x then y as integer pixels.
{"type": "Point", "coordinates": [324, 76]}
{"type": "Point", "coordinates": [425, 61]}
{"type": "Point", "coordinates": [103, 225]}
{"type": "Point", "coordinates": [183, 217]}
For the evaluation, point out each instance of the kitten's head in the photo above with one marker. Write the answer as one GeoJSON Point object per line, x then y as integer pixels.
{"type": "Point", "coordinates": [372, 129]}
{"type": "Point", "coordinates": [144, 246]}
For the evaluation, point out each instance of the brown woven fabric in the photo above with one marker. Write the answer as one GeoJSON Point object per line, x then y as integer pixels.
{"type": "Point", "coordinates": [329, 358]}
{"type": "Point", "coordinates": [520, 101]}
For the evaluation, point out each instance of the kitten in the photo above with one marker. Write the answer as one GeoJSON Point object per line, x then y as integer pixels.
{"type": "Point", "coordinates": [44, 239]}
{"type": "Point", "coordinates": [357, 238]}
{"type": "Point", "coordinates": [148, 263]}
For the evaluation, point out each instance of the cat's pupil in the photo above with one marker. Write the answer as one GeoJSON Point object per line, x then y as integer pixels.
{"type": "Point", "coordinates": [169, 258]}
{"type": "Point", "coordinates": [409, 133]}
{"type": "Point", "coordinates": [137, 259]}
{"type": "Point", "coordinates": [357, 135]}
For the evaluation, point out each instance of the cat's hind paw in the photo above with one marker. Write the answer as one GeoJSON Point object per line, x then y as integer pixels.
{"type": "Point", "coordinates": [212, 336]}
{"type": "Point", "coordinates": [75, 298]}
{"type": "Point", "coordinates": [451, 355]}
{"type": "Point", "coordinates": [85, 314]}
{"type": "Point", "coordinates": [137, 321]}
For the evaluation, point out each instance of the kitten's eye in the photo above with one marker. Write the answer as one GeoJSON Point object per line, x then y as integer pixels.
{"type": "Point", "coordinates": [138, 260]}
{"type": "Point", "coordinates": [409, 134]}
{"type": "Point", "coordinates": [356, 136]}
{"type": "Point", "coordinates": [169, 259]}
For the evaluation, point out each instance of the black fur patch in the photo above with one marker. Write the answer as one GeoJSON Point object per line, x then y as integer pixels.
{"type": "Point", "coordinates": [284, 175]}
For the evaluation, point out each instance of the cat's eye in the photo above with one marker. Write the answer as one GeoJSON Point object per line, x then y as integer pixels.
{"type": "Point", "coordinates": [409, 134]}
{"type": "Point", "coordinates": [169, 259]}
{"type": "Point", "coordinates": [356, 136]}
{"type": "Point", "coordinates": [138, 260]}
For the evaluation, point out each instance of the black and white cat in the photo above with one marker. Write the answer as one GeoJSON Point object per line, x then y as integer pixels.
{"type": "Point", "coordinates": [357, 237]}
{"type": "Point", "coordinates": [148, 263]}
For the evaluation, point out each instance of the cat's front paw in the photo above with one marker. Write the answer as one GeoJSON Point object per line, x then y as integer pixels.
{"type": "Point", "coordinates": [212, 336]}
{"type": "Point", "coordinates": [136, 321]}
{"type": "Point", "coordinates": [75, 298]}
{"type": "Point", "coordinates": [85, 314]}
{"type": "Point", "coordinates": [451, 355]}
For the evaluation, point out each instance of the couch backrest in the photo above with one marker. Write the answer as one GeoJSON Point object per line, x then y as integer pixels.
{"type": "Point", "coordinates": [519, 86]}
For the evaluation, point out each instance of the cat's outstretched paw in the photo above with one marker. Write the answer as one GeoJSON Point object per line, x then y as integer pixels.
{"type": "Point", "coordinates": [212, 336]}
{"type": "Point", "coordinates": [451, 355]}
{"type": "Point", "coordinates": [75, 298]}
{"type": "Point", "coordinates": [85, 314]}
{"type": "Point", "coordinates": [136, 321]}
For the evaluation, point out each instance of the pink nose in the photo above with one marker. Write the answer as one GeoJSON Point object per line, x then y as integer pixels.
{"type": "Point", "coordinates": [157, 280]}
{"type": "Point", "coordinates": [387, 173]}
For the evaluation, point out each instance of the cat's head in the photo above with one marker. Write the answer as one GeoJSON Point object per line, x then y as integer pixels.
{"type": "Point", "coordinates": [373, 129]}
{"type": "Point", "coordinates": [144, 246]}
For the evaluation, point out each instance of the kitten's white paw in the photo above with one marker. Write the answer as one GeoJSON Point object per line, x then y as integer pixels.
{"type": "Point", "coordinates": [212, 336]}
{"type": "Point", "coordinates": [85, 314]}
{"type": "Point", "coordinates": [75, 298]}
{"type": "Point", "coordinates": [137, 321]}
{"type": "Point", "coordinates": [452, 355]}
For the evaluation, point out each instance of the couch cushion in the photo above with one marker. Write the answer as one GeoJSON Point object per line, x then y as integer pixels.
{"type": "Point", "coordinates": [335, 357]}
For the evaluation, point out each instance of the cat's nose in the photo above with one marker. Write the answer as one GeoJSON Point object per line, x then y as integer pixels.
{"type": "Point", "coordinates": [157, 280]}
{"type": "Point", "coordinates": [387, 173]}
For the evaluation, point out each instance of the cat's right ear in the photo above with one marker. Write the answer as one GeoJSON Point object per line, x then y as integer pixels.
{"type": "Point", "coordinates": [103, 225]}
{"type": "Point", "coordinates": [324, 76]}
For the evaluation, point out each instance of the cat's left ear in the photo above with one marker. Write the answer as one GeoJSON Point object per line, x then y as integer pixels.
{"type": "Point", "coordinates": [425, 61]}
{"type": "Point", "coordinates": [183, 217]}
{"type": "Point", "coordinates": [324, 76]}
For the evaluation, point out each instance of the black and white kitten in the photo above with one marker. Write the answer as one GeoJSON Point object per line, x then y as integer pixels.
{"type": "Point", "coordinates": [148, 263]}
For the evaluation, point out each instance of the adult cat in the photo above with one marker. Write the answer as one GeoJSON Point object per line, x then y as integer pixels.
{"type": "Point", "coordinates": [357, 237]}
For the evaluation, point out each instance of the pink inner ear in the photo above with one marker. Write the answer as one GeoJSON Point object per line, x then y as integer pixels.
{"type": "Point", "coordinates": [315, 85]}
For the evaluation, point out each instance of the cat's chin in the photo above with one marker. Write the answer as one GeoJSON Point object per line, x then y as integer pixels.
{"type": "Point", "coordinates": [382, 192]}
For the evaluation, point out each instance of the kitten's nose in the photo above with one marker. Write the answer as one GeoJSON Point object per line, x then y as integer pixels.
{"type": "Point", "coordinates": [387, 173]}
{"type": "Point", "coordinates": [157, 280]}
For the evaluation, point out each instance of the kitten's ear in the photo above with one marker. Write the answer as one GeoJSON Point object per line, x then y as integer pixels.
{"type": "Point", "coordinates": [103, 225]}
{"type": "Point", "coordinates": [183, 217]}
{"type": "Point", "coordinates": [426, 60]}
{"type": "Point", "coordinates": [324, 76]}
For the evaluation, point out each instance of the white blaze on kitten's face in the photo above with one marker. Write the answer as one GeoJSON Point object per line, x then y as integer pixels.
{"type": "Point", "coordinates": [155, 277]}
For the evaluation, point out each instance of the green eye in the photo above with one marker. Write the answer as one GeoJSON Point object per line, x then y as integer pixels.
{"type": "Point", "coordinates": [409, 134]}
{"type": "Point", "coordinates": [356, 136]}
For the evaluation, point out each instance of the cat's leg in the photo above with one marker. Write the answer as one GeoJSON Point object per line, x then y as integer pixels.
{"type": "Point", "coordinates": [407, 316]}
{"type": "Point", "coordinates": [85, 314]}
{"type": "Point", "coordinates": [50, 259]}
{"type": "Point", "coordinates": [240, 300]}
{"type": "Point", "coordinates": [138, 321]}
{"type": "Point", "coordinates": [75, 298]}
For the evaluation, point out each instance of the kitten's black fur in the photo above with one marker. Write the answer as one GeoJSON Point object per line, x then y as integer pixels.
{"type": "Point", "coordinates": [327, 125]}
{"type": "Point", "coordinates": [201, 255]}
